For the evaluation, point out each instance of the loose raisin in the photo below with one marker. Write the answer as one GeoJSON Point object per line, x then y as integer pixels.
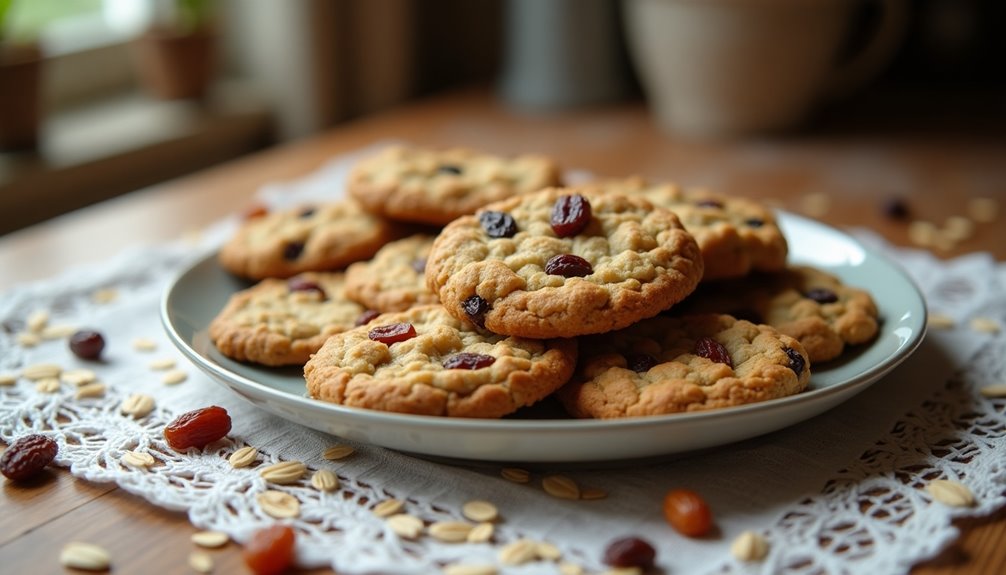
{"type": "Point", "coordinates": [687, 512]}
{"type": "Point", "coordinates": [392, 333]}
{"type": "Point", "coordinates": [293, 250]}
{"type": "Point", "coordinates": [449, 169]}
{"type": "Point", "coordinates": [640, 362]}
{"type": "Point", "coordinates": [896, 209]}
{"type": "Point", "coordinates": [302, 284]}
{"type": "Point", "coordinates": [570, 215]}
{"type": "Point", "coordinates": [270, 550]}
{"type": "Point", "coordinates": [475, 308]}
{"type": "Point", "coordinates": [419, 264]}
{"type": "Point", "coordinates": [754, 222]}
{"type": "Point", "coordinates": [569, 266]}
{"type": "Point", "coordinates": [87, 344]}
{"type": "Point", "coordinates": [713, 350]}
{"type": "Point", "coordinates": [27, 456]}
{"type": "Point", "coordinates": [466, 360]}
{"type": "Point", "coordinates": [306, 213]}
{"type": "Point", "coordinates": [498, 224]}
{"type": "Point", "coordinates": [821, 295]}
{"type": "Point", "coordinates": [796, 361]}
{"type": "Point", "coordinates": [630, 552]}
{"type": "Point", "coordinates": [198, 428]}
{"type": "Point", "coordinates": [367, 317]}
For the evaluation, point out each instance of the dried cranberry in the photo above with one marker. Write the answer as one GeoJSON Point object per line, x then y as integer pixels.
{"type": "Point", "coordinates": [270, 551]}
{"type": "Point", "coordinates": [498, 224]}
{"type": "Point", "coordinates": [709, 204]}
{"type": "Point", "coordinates": [570, 215]}
{"type": "Point", "coordinates": [392, 333]}
{"type": "Point", "coordinates": [306, 213]}
{"type": "Point", "coordinates": [821, 295]}
{"type": "Point", "coordinates": [293, 250]}
{"type": "Point", "coordinates": [754, 222]}
{"type": "Point", "coordinates": [87, 344]}
{"type": "Point", "coordinates": [27, 456]}
{"type": "Point", "coordinates": [475, 308]}
{"type": "Point", "coordinates": [569, 266]}
{"type": "Point", "coordinates": [254, 211]}
{"type": "Point", "coordinates": [367, 317]}
{"type": "Point", "coordinates": [466, 360]}
{"type": "Point", "coordinates": [419, 264]}
{"type": "Point", "coordinates": [896, 209]}
{"type": "Point", "coordinates": [713, 350]}
{"type": "Point", "coordinates": [687, 512]}
{"type": "Point", "coordinates": [640, 362]}
{"type": "Point", "coordinates": [449, 169]}
{"type": "Point", "coordinates": [198, 428]}
{"type": "Point", "coordinates": [796, 361]}
{"type": "Point", "coordinates": [748, 315]}
{"type": "Point", "coordinates": [303, 284]}
{"type": "Point", "coordinates": [630, 552]}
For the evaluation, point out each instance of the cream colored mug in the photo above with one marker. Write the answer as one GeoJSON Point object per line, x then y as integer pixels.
{"type": "Point", "coordinates": [715, 68]}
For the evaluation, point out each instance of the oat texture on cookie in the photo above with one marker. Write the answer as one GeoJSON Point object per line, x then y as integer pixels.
{"type": "Point", "coordinates": [577, 262]}
{"type": "Point", "coordinates": [680, 364]}
{"type": "Point", "coordinates": [438, 365]}
{"type": "Point", "coordinates": [414, 184]}
{"type": "Point", "coordinates": [394, 279]}
{"type": "Point", "coordinates": [282, 322]}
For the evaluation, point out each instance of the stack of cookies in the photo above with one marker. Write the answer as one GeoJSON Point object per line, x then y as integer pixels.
{"type": "Point", "coordinates": [619, 297]}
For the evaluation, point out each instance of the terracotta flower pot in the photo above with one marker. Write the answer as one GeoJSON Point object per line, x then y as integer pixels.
{"type": "Point", "coordinates": [20, 79]}
{"type": "Point", "coordinates": [175, 66]}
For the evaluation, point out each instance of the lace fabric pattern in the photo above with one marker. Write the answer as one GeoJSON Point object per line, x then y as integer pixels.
{"type": "Point", "coordinates": [841, 493]}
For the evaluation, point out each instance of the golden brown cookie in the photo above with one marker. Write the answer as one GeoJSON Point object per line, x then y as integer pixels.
{"type": "Point", "coordinates": [808, 304]}
{"type": "Point", "coordinates": [669, 365]}
{"type": "Point", "coordinates": [309, 238]}
{"type": "Point", "coordinates": [412, 184]}
{"type": "Point", "coordinates": [736, 235]}
{"type": "Point", "coordinates": [394, 279]}
{"type": "Point", "coordinates": [282, 322]}
{"type": "Point", "coordinates": [613, 261]}
{"type": "Point", "coordinates": [425, 361]}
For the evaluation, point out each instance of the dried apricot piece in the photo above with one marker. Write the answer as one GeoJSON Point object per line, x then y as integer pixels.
{"type": "Point", "coordinates": [270, 550]}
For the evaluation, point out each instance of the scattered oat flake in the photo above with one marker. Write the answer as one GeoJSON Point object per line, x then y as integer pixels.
{"type": "Point", "coordinates": [983, 210]}
{"type": "Point", "coordinates": [27, 339]}
{"type": "Point", "coordinates": [90, 390]}
{"type": "Point", "coordinates": [201, 562]}
{"type": "Point", "coordinates": [162, 364]}
{"type": "Point", "coordinates": [174, 377]}
{"type": "Point", "coordinates": [210, 539]}
{"type": "Point", "coordinates": [58, 331]}
{"type": "Point", "coordinates": [337, 452]}
{"type": "Point", "coordinates": [47, 385]}
{"type": "Point", "coordinates": [623, 571]}
{"type": "Point", "coordinates": [940, 321]}
{"type": "Point", "coordinates": [985, 325]}
{"type": "Point", "coordinates": [516, 474]}
{"type": "Point", "coordinates": [405, 525]}
{"type": "Point", "coordinates": [478, 510]}
{"type": "Point", "coordinates": [137, 405]}
{"type": "Point", "coordinates": [470, 569]}
{"type": "Point", "coordinates": [951, 493]}
{"type": "Point", "coordinates": [388, 507]}
{"type": "Point", "coordinates": [958, 228]}
{"type": "Point", "coordinates": [815, 204]}
{"type": "Point", "coordinates": [749, 546]}
{"type": "Point", "coordinates": [548, 551]}
{"type": "Point", "coordinates": [450, 531]}
{"type": "Point", "coordinates": [278, 505]}
{"type": "Point", "coordinates": [284, 472]}
{"type": "Point", "coordinates": [37, 321]}
{"type": "Point", "coordinates": [481, 533]}
{"type": "Point", "coordinates": [518, 552]}
{"type": "Point", "coordinates": [7, 379]}
{"type": "Point", "coordinates": [560, 486]}
{"type": "Point", "coordinates": [86, 556]}
{"type": "Point", "coordinates": [592, 493]}
{"type": "Point", "coordinates": [243, 457]}
{"type": "Point", "coordinates": [325, 480]}
{"type": "Point", "coordinates": [137, 459]}
{"type": "Point", "coordinates": [106, 295]}
{"type": "Point", "coordinates": [41, 371]}
{"type": "Point", "coordinates": [922, 233]}
{"type": "Point", "coordinates": [566, 568]}
{"type": "Point", "coordinates": [78, 377]}
{"type": "Point", "coordinates": [994, 391]}
{"type": "Point", "coordinates": [144, 344]}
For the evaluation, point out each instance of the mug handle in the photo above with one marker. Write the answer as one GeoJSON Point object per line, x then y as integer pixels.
{"type": "Point", "coordinates": [874, 55]}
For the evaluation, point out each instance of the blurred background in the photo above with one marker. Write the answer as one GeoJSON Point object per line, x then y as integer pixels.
{"type": "Point", "coordinates": [102, 97]}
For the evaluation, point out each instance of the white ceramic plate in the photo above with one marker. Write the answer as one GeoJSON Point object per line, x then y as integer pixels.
{"type": "Point", "coordinates": [541, 435]}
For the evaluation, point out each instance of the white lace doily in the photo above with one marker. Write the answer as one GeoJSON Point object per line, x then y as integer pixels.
{"type": "Point", "coordinates": [841, 493]}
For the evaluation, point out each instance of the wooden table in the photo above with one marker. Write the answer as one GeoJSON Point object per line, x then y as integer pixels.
{"type": "Point", "coordinates": [850, 165]}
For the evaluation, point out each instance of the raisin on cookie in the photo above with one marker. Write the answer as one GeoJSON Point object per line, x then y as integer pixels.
{"type": "Point", "coordinates": [394, 280]}
{"type": "Point", "coordinates": [308, 238]}
{"type": "Point", "coordinates": [282, 322]}
{"type": "Point", "coordinates": [668, 365]}
{"type": "Point", "coordinates": [563, 262]}
{"type": "Point", "coordinates": [425, 361]}
{"type": "Point", "coordinates": [808, 304]}
{"type": "Point", "coordinates": [412, 184]}
{"type": "Point", "coordinates": [737, 235]}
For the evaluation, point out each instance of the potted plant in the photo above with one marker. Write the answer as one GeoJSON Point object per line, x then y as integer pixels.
{"type": "Point", "coordinates": [20, 65]}
{"type": "Point", "coordinates": [176, 57]}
